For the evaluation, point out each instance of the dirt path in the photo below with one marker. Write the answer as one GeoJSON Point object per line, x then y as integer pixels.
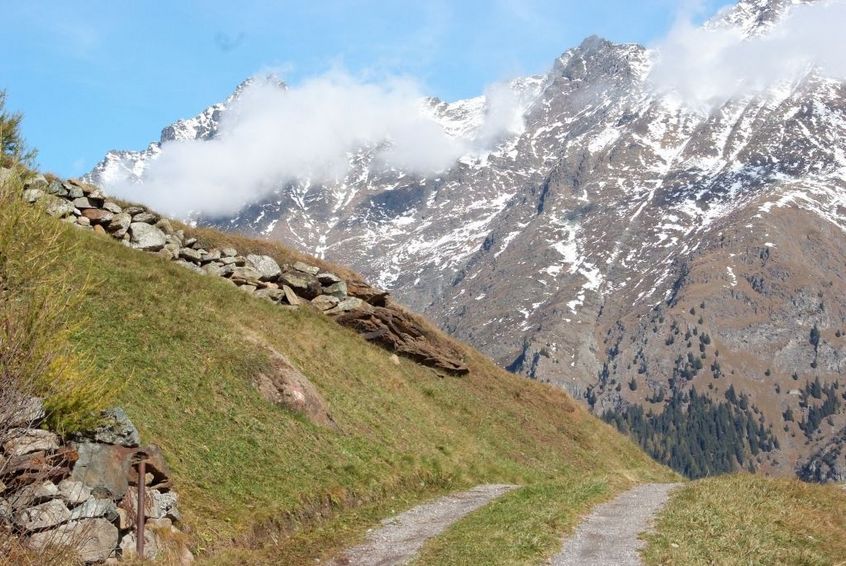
{"type": "Point", "coordinates": [401, 537]}
{"type": "Point", "coordinates": [609, 535]}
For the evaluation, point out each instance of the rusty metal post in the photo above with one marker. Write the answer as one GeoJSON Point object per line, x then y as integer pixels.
{"type": "Point", "coordinates": [139, 519]}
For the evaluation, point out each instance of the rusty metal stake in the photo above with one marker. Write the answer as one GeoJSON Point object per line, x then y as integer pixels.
{"type": "Point", "coordinates": [139, 519]}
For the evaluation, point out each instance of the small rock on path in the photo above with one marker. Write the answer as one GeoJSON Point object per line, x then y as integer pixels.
{"type": "Point", "coordinates": [609, 535]}
{"type": "Point", "coordinates": [400, 537]}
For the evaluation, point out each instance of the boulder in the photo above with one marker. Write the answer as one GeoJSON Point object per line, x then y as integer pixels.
{"type": "Point", "coordinates": [33, 494]}
{"type": "Point", "coordinates": [98, 215]}
{"type": "Point", "coordinates": [146, 217]}
{"type": "Point", "coordinates": [93, 540]}
{"type": "Point", "coordinates": [112, 207]}
{"type": "Point", "coordinates": [57, 207]}
{"type": "Point", "coordinates": [400, 332]}
{"type": "Point", "coordinates": [82, 203]}
{"type": "Point", "coordinates": [58, 189]}
{"type": "Point", "coordinates": [42, 516]}
{"type": "Point", "coordinates": [73, 191]}
{"type": "Point", "coordinates": [302, 283]}
{"type": "Point", "coordinates": [228, 252]}
{"type": "Point", "coordinates": [116, 428]}
{"type": "Point", "coordinates": [270, 293]}
{"type": "Point", "coordinates": [216, 270]}
{"type": "Point", "coordinates": [246, 275]}
{"type": "Point", "coordinates": [348, 304]}
{"type": "Point", "coordinates": [165, 226]}
{"type": "Point", "coordinates": [338, 289]}
{"type": "Point", "coordinates": [32, 195]}
{"type": "Point", "coordinates": [325, 302]}
{"type": "Point", "coordinates": [167, 504]}
{"type": "Point", "coordinates": [290, 296]}
{"type": "Point", "coordinates": [371, 295]}
{"type": "Point", "coordinates": [190, 266]}
{"type": "Point", "coordinates": [305, 268]}
{"type": "Point", "coordinates": [7, 514]}
{"type": "Point", "coordinates": [82, 221]}
{"type": "Point", "coordinates": [21, 441]}
{"type": "Point", "coordinates": [38, 466]}
{"type": "Point", "coordinates": [6, 174]}
{"type": "Point", "coordinates": [156, 469]}
{"type": "Point", "coordinates": [73, 492]}
{"type": "Point", "coordinates": [212, 255]}
{"type": "Point", "coordinates": [157, 505]}
{"type": "Point", "coordinates": [23, 412]}
{"type": "Point", "coordinates": [128, 545]}
{"type": "Point", "coordinates": [265, 265]}
{"type": "Point", "coordinates": [93, 508]}
{"type": "Point", "coordinates": [134, 209]}
{"type": "Point", "coordinates": [286, 386]}
{"type": "Point", "coordinates": [37, 182]}
{"type": "Point", "coordinates": [145, 237]}
{"type": "Point", "coordinates": [326, 278]}
{"type": "Point", "coordinates": [190, 254]}
{"type": "Point", "coordinates": [103, 468]}
{"type": "Point", "coordinates": [120, 222]}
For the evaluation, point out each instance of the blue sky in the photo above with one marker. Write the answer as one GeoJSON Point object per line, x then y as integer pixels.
{"type": "Point", "coordinates": [96, 75]}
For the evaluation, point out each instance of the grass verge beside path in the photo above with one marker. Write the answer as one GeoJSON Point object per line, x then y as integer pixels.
{"type": "Point", "coordinates": [746, 519]}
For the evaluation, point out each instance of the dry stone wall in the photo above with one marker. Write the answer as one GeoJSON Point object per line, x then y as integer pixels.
{"type": "Point", "coordinates": [80, 495]}
{"type": "Point", "coordinates": [352, 303]}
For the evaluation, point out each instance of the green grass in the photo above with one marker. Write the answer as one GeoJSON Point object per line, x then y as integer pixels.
{"type": "Point", "coordinates": [746, 519]}
{"type": "Point", "coordinates": [260, 484]}
{"type": "Point", "coordinates": [179, 341]}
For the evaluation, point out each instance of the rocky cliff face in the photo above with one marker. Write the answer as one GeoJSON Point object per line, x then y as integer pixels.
{"type": "Point", "coordinates": [595, 249]}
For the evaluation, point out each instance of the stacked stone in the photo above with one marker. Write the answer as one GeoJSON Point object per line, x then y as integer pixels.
{"type": "Point", "coordinates": [260, 275]}
{"type": "Point", "coordinates": [83, 493]}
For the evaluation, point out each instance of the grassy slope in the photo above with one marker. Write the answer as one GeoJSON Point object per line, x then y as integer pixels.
{"type": "Point", "coordinates": [175, 344]}
{"type": "Point", "coordinates": [745, 519]}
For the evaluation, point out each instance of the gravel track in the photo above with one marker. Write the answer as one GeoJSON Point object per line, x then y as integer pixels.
{"type": "Point", "coordinates": [400, 537]}
{"type": "Point", "coordinates": [609, 535]}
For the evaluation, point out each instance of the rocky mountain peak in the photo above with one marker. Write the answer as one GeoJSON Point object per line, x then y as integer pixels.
{"type": "Point", "coordinates": [595, 246]}
{"type": "Point", "coordinates": [754, 17]}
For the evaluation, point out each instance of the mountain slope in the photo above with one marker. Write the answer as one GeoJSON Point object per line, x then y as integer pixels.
{"type": "Point", "coordinates": [259, 483]}
{"type": "Point", "coordinates": [572, 251]}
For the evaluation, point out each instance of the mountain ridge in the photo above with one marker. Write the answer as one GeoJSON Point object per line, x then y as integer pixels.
{"type": "Point", "coordinates": [573, 250]}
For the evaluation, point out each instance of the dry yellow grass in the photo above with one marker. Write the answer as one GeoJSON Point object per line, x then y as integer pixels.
{"type": "Point", "coordinates": [746, 519]}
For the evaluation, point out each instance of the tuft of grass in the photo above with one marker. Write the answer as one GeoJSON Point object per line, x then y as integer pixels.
{"type": "Point", "coordinates": [748, 519]}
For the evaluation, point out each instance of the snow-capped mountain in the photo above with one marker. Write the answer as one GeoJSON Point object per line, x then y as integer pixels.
{"type": "Point", "coordinates": [597, 247]}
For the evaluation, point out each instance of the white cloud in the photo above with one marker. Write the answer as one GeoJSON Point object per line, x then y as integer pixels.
{"type": "Point", "coordinates": [706, 67]}
{"type": "Point", "coordinates": [308, 131]}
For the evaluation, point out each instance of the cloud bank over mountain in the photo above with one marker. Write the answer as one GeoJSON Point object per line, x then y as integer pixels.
{"type": "Point", "coordinates": [707, 65]}
{"type": "Point", "coordinates": [310, 131]}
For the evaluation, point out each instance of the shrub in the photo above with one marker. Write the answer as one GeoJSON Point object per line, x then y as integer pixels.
{"type": "Point", "coordinates": [13, 149]}
{"type": "Point", "coordinates": [36, 300]}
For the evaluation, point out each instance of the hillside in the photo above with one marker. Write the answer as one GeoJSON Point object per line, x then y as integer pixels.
{"type": "Point", "coordinates": [258, 482]}
{"type": "Point", "coordinates": [579, 250]}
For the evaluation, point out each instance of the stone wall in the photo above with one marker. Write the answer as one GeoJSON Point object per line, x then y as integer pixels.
{"type": "Point", "coordinates": [81, 494]}
{"type": "Point", "coordinates": [352, 303]}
